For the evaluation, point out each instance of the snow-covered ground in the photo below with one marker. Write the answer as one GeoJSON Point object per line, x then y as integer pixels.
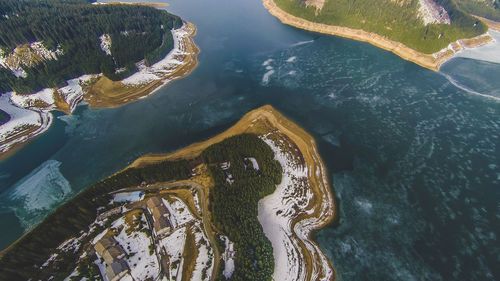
{"type": "Point", "coordinates": [228, 257]}
{"type": "Point", "coordinates": [33, 110]}
{"type": "Point", "coordinates": [27, 55]}
{"type": "Point", "coordinates": [430, 12]}
{"type": "Point", "coordinates": [165, 66]}
{"type": "Point", "coordinates": [136, 244]}
{"type": "Point", "coordinates": [105, 40]}
{"type": "Point", "coordinates": [128, 196]}
{"type": "Point", "coordinates": [73, 92]}
{"type": "Point", "coordinates": [205, 259]}
{"type": "Point", "coordinates": [255, 165]}
{"type": "Point", "coordinates": [20, 120]}
{"type": "Point", "coordinates": [173, 246]}
{"type": "Point", "coordinates": [179, 212]}
{"type": "Point", "coordinates": [276, 212]}
{"type": "Point", "coordinates": [42, 102]}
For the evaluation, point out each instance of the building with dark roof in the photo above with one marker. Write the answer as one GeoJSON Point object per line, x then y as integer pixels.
{"type": "Point", "coordinates": [113, 255]}
{"type": "Point", "coordinates": [116, 270]}
{"type": "Point", "coordinates": [159, 212]}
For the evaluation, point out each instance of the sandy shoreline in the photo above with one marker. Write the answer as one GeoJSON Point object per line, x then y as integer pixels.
{"type": "Point", "coordinates": [430, 61]}
{"type": "Point", "coordinates": [313, 205]}
{"type": "Point", "coordinates": [490, 23]}
{"type": "Point", "coordinates": [179, 63]}
{"type": "Point", "coordinates": [149, 4]}
{"type": "Point", "coordinates": [98, 91]}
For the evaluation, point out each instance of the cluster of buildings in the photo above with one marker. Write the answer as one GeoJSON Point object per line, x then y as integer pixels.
{"type": "Point", "coordinates": [114, 257]}
{"type": "Point", "coordinates": [159, 213]}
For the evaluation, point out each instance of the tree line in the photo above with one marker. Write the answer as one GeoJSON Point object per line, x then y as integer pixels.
{"type": "Point", "coordinates": [22, 260]}
{"type": "Point", "coordinates": [489, 9]}
{"type": "Point", "coordinates": [234, 206]}
{"type": "Point", "coordinates": [137, 32]}
{"type": "Point", "coordinates": [392, 19]}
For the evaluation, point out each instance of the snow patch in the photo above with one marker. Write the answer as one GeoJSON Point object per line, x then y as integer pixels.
{"type": "Point", "coordinates": [136, 245]}
{"type": "Point", "coordinates": [173, 246]}
{"type": "Point", "coordinates": [179, 212]}
{"type": "Point", "coordinates": [27, 55]}
{"type": "Point", "coordinates": [205, 259]}
{"type": "Point", "coordinates": [276, 212]}
{"type": "Point", "coordinates": [430, 12]}
{"type": "Point", "coordinates": [105, 40]}
{"type": "Point", "coordinates": [20, 120]}
{"type": "Point", "coordinates": [167, 65]}
{"type": "Point", "coordinates": [73, 92]}
{"type": "Point", "coordinates": [41, 99]}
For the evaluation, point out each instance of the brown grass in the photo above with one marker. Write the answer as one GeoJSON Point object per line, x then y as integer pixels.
{"type": "Point", "coordinates": [138, 3]}
{"type": "Point", "coordinates": [429, 61]}
{"type": "Point", "coordinates": [107, 93]}
{"type": "Point", "coordinates": [260, 121]}
{"type": "Point", "coordinates": [27, 130]}
{"type": "Point", "coordinates": [490, 23]}
{"type": "Point", "coordinates": [185, 195]}
{"type": "Point", "coordinates": [190, 254]}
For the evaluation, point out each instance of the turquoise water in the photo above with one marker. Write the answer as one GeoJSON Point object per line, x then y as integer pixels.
{"type": "Point", "coordinates": [412, 157]}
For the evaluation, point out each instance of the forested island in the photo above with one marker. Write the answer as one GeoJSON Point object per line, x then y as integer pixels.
{"type": "Point", "coordinates": [427, 32]}
{"type": "Point", "coordinates": [55, 53]}
{"type": "Point", "coordinates": [239, 206]}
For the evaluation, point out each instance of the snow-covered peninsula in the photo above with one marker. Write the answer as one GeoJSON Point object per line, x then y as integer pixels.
{"type": "Point", "coordinates": [30, 114]}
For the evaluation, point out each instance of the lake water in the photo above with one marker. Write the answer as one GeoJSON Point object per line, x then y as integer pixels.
{"type": "Point", "coordinates": [412, 154]}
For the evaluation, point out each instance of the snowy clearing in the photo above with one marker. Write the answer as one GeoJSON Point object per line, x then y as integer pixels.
{"type": "Point", "coordinates": [165, 66]}
{"type": "Point", "coordinates": [136, 245]}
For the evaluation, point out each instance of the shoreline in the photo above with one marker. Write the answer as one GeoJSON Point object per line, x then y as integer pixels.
{"type": "Point", "coordinates": [148, 4]}
{"type": "Point", "coordinates": [318, 211]}
{"type": "Point", "coordinates": [429, 61]}
{"type": "Point", "coordinates": [98, 91]}
{"type": "Point", "coordinates": [490, 23]}
{"type": "Point", "coordinates": [298, 226]}
{"type": "Point", "coordinates": [178, 63]}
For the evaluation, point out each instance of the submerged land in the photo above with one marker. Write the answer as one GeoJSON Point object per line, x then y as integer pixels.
{"type": "Point", "coordinates": [243, 203]}
{"type": "Point", "coordinates": [315, 16]}
{"type": "Point", "coordinates": [28, 114]}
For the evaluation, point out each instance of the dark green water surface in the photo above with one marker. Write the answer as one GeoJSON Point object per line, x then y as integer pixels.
{"type": "Point", "coordinates": [413, 158]}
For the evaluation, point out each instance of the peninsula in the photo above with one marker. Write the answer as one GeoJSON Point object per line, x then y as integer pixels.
{"type": "Point", "coordinates": [119, 67]}
{"type": "Point", "coordinates": [422, 32]}
{"type": "Point", "coordinates": [241, 205]}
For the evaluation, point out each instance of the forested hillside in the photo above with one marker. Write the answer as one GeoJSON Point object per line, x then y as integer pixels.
{"type": "Point", "coordinates": [399, 20]}
{"type": "Point", "coordinates": [485, 8]}
{"type": "Point", "coordinates": [234, 205]}
{"type": "Point", "coordinates": [23, 260]}
{"type": "Point", "coordinates": [71, 32]}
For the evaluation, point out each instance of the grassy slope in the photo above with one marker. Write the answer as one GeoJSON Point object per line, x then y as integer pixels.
{"type": "Point", "coordinates": [398, 22]}
{"type": "Point", "coordinates": [489, 9]}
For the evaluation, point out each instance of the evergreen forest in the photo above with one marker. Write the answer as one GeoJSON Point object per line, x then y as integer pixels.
{"type": "Point", "coordinates": [23, 260]}
{"type": "Point", "coordinates": [396, 20]}
{"type": "Point", "coordinates": [137, 32]}
{"type": "Point", "coordinates": [234, 201]}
